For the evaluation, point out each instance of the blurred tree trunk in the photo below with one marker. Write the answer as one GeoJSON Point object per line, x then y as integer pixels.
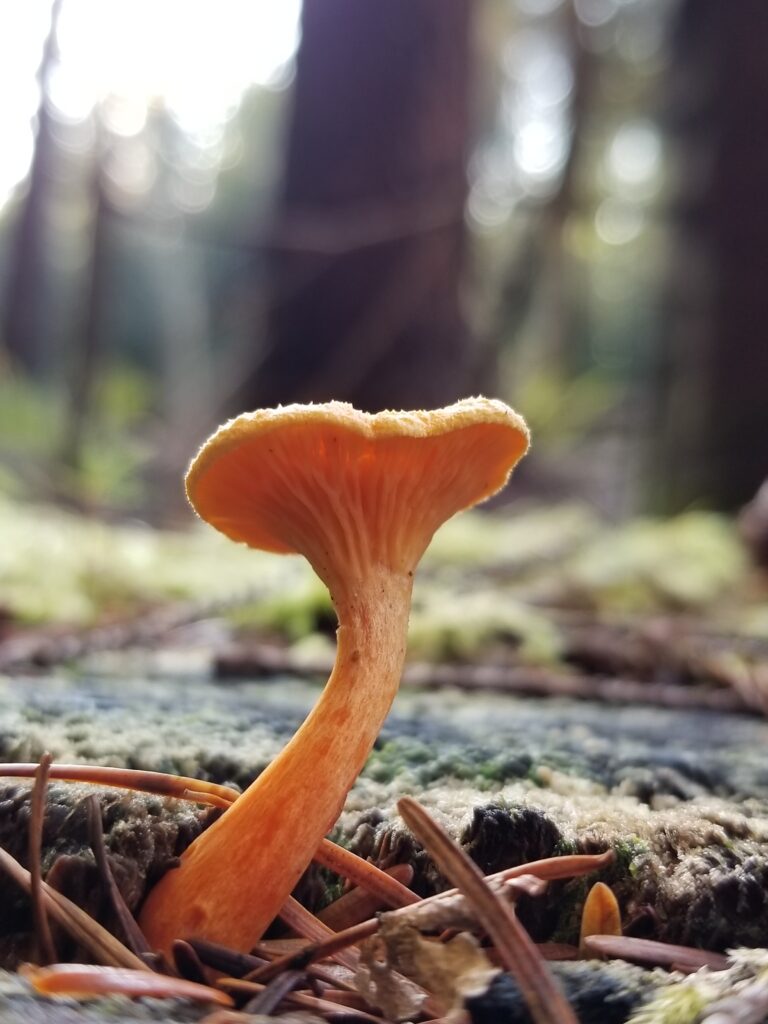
{"type": "Point", "coordinates": [369, 241]}
{"type": "Point", "coordinates": [717, 414]}
{"type": "Point", "coordinates": [22, 305]}
{"type": "Point", "coordinates": [86, 350]}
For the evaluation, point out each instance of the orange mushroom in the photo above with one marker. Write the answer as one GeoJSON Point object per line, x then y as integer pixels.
{"type": "Point", "coordinates": [360, 496]}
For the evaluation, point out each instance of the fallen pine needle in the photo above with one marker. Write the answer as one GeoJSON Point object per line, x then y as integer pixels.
{"type": "Point", "coordinates": [267, 1001]}
{"type": "Point", "coordinates": [134, 936]}
{"type": "Point", "coordinates": [81, 926]}
{"type": "Point", "coordinates": [225, 960]}
{"type": "Point", "coordinates": [317, 951]}
{"type": "Point", "coordinates": [545, 1001]}
{"type": "Point", "coordinates": [88, 980]}
{"type": "Point", "coordinates": [298, 999]}
{"type": "Point", "coordinates": [309, 927]}
{"type": "Point", "coordinates": [548, 869]}
{"type": "Point", "coordinates": [655, 954]}
{"type": "Point", "coordinates": [186, 961]}
{"type": "Point", "coordinates": [359, 904]}
{"type": "Point", "coordinates": [177, 786]}
{"type": "Point", "coordinates": [45, 944]}
{"type": "Point", "coordinates": [389, 890]}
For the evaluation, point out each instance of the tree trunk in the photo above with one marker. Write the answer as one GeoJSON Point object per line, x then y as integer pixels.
{"type": "Point", "coordinates": [717, 411]}
{"type": "Point", "coordinates": [369, 241]}
{"type": "Point", "coordinates": [22, 320]}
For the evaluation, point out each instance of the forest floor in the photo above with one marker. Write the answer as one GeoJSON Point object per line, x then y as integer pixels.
{"type": "Point", "coordinates": [571, 689]}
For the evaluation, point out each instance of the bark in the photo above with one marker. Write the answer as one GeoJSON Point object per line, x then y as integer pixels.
{"type": "Point", "coordinates": [369, 241]}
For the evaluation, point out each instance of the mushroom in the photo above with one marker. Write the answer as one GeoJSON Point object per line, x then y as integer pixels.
{"type": "Point", "coordinates": [360, 496]}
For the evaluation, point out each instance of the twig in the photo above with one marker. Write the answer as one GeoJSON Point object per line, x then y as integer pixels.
{"type": "Point", "coordinates": [527, 680]}
{"type": "Point", "coordinates": [546, 1002]}
{"type": "Point", "coordinates": [45, 944]}
{"type": "Point", "coordinates": [133, 934]}
{"type": "Point", "coordinates": [49, 646]}
{"type": "Point", "coordinates": [89, 933]}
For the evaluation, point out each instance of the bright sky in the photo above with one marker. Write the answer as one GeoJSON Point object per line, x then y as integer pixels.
{"type": "Point", "coordinates": [198, 55]}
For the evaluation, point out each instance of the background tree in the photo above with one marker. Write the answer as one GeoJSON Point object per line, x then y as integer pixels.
{"type": "Point", "coordinates": [716, 374]}
{"type": "Point", "coordinates": [22, 320]}
{"type": "Point", "coordinates": [369, 237]}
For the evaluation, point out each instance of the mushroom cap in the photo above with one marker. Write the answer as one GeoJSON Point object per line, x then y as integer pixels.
{"type": "Point", "coordinates": [347, 488]}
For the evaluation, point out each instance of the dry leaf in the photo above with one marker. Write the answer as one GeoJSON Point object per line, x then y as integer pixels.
{"type": "Point", "coordinates": [449, 970]}
{"type": "Point", "coordinates": [400, 955]}
{"type": "Point", "coordinates": [382, 986]}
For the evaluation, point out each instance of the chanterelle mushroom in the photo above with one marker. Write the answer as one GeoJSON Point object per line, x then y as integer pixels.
{"type": "Point", "coordinates": [360, 496]}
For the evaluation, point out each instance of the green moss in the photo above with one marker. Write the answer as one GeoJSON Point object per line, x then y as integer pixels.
{"type": "Point", "coordinates": [295, 613]}
{"type": "Point", "coordinates": [570, 903]}
{"type": "Point", "coordinates": [629, 850]}
{"type": "Point", "coordinates": [452, 623]}
{"type": "Point", "coordinates": [678, 1004]}
{"type": "Point", "coordinates": [686, 562]}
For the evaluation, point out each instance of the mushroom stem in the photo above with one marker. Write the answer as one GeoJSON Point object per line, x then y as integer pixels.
{"type": "Point", "coordinates": [234, 878]}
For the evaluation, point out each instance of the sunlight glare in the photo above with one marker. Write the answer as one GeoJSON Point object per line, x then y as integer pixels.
{"type": "Point", "coordinates": [196, 56]}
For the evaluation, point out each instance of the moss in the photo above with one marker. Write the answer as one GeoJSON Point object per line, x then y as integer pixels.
{"type": "Point", "coordinates": [425, 764]}
{"type": "Point", "coordinates": [296, 613]}
{"type": "Point", "coordinates": [686, 562]}
{"type": "Point", "coordinates": [449, 622]}
{"type": "Point", "coordinates": [629, 850]}
{"type": "Point", "coordinates": [570, 904]}
{"type": "Point", "coordinates": [678, 1004]}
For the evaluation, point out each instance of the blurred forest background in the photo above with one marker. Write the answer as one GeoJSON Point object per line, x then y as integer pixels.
{"type": "Point", "coordinates": [210, 206]}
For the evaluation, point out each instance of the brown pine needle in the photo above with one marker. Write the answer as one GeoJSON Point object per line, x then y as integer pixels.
{"type": "Point", "coordinates": [298, 999]}
{"type": "Point", "coordinates": [389, 890]}
{"type": "Point", "coordinates": [359, 904]}
{"type": "Point", "coordinates": [317, 951]}
{"type": "Point", "coordinates": [655, 954]}
{"type": "Point", "coordinates": [187, 963]}
{"type": "Point", "coordinates": [545, 1001]}
{"type": "Point", "coordinates": [550, 868]}
{"type": "Point", "coordinates": [225, 960]}
{"type": "Point", "coordinates": [353, 1000]}
{"type": "Point", "coordinates": [600, 916]}
{"type": "Point", "coordinates": [89, 980]}
{"type": "Point", "coordinates": [89, 933]}
{"type": "Point", "coordinates": [307, 925]}
{"type": "Point", "coordinates": [45, 944]}
{"type": "Point", "coordinates": [177, 786]}
{"type": "Point", "coordinates": [267, 1001]}
{"type": "Point", "coordinates": [133, 934]}
{"type": "Point", "coordinates": [526, 885]}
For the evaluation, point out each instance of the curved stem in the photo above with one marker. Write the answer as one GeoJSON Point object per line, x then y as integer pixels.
{"type": "Point", "coordinates": [234, 878]}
